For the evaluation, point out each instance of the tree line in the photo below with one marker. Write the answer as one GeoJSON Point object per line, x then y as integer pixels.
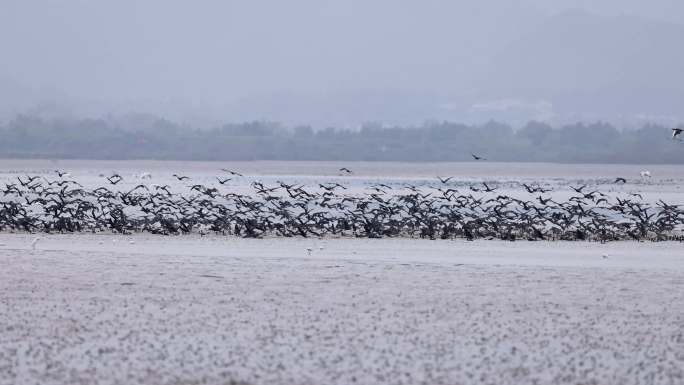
{"type": "Point", "coordinates": [148, 138]}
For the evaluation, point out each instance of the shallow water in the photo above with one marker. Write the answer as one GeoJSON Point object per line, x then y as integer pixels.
{"type": "Point", "coordinates": [666, 181]}
{"type": "Point", "coordinates": [490, 170]}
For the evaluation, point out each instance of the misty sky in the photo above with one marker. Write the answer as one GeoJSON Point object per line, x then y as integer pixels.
{"type": "Point", "coordinates": [341, 62]}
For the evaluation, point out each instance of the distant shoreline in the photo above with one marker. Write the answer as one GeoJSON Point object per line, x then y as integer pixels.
{"type": "Point", "coordinates": [581, 143]}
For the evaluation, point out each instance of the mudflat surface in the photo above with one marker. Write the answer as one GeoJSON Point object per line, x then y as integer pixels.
{"type": "Point", "coordinates": [103, 309]}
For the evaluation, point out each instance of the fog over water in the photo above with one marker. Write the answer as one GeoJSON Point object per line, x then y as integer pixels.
{"type": "Point", "coordinates": [345, 62]}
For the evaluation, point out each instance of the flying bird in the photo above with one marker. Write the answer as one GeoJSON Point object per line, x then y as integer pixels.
{"type": "Point", "coordinates": [620, 180]}
{"type": "Point", "coordinates": [578, 189]}
{"type": "Point", "coordinates": [476, 157]}
{"type": "Point", "coordinates": [181, 177]}
{"type": "Point", "coordinates": [676, 132]}
{"type": "Point", "coordinates": [487, 188]}
{"type": "Point", "coordinates": [231, 172]}
{"type": "Point", "coordinates": [344, 169]}
{"type": "Point", "coordinates": [114, 179]}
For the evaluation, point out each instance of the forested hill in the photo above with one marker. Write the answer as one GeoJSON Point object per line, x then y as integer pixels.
{"type": "Point", "coordinates": [29, 137]}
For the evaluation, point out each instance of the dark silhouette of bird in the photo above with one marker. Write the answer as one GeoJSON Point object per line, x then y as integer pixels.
{"type": "Point", "coordinates": [231, 172]}
{"type": "Point", "coordinates": [487, 188]}
{"type": "Point", "coordinates": [180, 177]}
{"type": "Point", "coordinates": [543, 201]}
{"type": "Point", "coordinates": [29, 178]}
{"type": "Point", "coordinates": [535, 189]}
{"type": "Point", "coordinates": [620, 180]}
{"type": "Point", "coordinates": [223, 181]}
{"type": "Point", "coordinates": [346, 170]}
{"type": "Point", "coordinates": [477, 157]}
{"type": "Point", "coordinates": [114, 179]}
{"type": "Point", "coordinates": [676, 132]}
{"type": "Point", "coordinates": [331, 186]}
{"type": "Point", "coordinates": [35, 205]}
{"type": "Point", "coordinates": [578, 189]}
{"type": "Point", "coordinates": [445, 180]}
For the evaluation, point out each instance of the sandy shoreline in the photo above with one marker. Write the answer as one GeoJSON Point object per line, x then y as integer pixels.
{"type": "Point", "coordinates": [184, 310]}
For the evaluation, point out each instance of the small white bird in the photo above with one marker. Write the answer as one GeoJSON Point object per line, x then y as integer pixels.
{"type": "Point", "coordinates": [645, 174]}
{"type": "Point", "coordinates": [676, 132]}
{"type": "Point", "coordinates": [34, 243]}
{"type": "Point", "coordinates": [309, 250]}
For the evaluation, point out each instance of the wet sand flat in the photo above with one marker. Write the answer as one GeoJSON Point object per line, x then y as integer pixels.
{"type": "Point", "coordinates": [105, 309]}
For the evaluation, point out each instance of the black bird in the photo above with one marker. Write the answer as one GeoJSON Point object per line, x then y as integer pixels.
{"type": "Point", "coordinates": [543, 201]}
{"type": "Point", "coordinates": [32, 178]}
{"type": "Point", "coordinates": [114, 179]}
{"type": "Point", "coordinates": [231, 172]}
{"type": "Point", "coordinates": [331, 186]}
{"type": "Point", "coordinates": [578, 189]}
{"type": "Point", "coordinates": [534, 189]}
{"type": "Point", "coordinates": [445, 180]}
{"type": "Point", "coordinates": [620, 180]}
{"type": "Point", "coordinates": [476, 157]}
{"type": "Point", "coordinates": [344, 169]}
{"type": "Point", "coordinates": [223, 181]}
{"type": "Point", "coordinates": [487, 188]}
{"type": "Point", "coordinates": [62, 173]}
{"type": "Point", "coordinates": [426, 212]}
{"type": "Point", "coordinates": [181, 177]}
{"type": "Point", "coordinates": [676, 132]}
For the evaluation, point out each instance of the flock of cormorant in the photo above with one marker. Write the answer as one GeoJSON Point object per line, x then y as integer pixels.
{"type": "Point", "coordinates": [442, 210]}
